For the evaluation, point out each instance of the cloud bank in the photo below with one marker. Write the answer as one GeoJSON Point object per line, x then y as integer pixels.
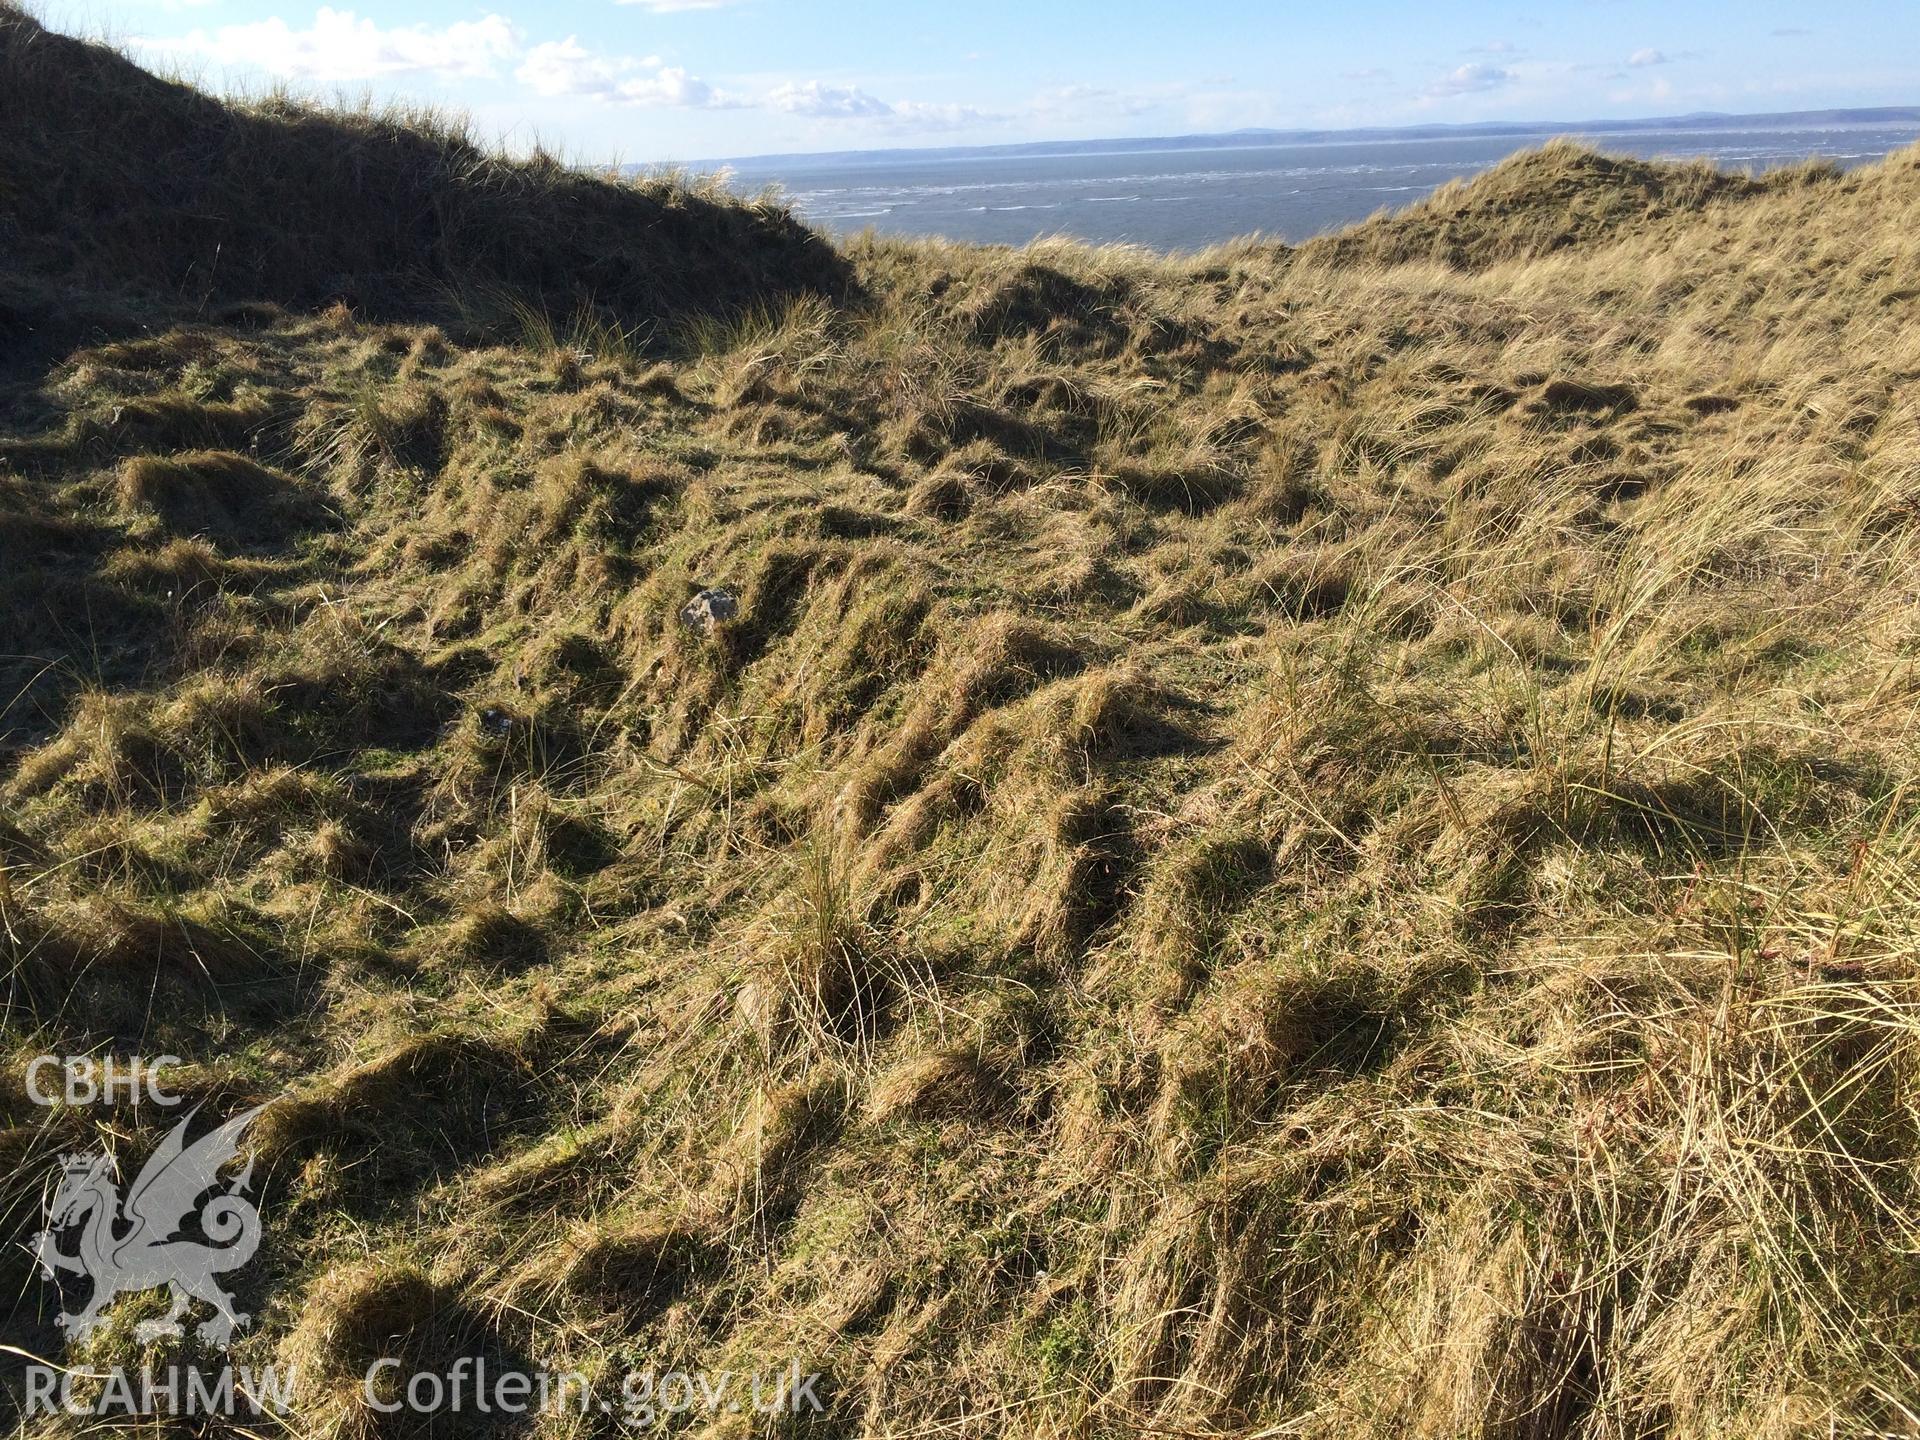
{"type": "Point", "coordinates": [566, 67]}
{"type": "Point", "coordinates": [340, 45]}
{"type": "Point", "coordinates": [1471, 80]}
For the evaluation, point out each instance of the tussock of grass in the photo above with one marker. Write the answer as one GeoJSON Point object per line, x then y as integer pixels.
{"type": "Point", "coordinates": [1312, 842]}
{"type": "Point", "coordinates": [211, 492]}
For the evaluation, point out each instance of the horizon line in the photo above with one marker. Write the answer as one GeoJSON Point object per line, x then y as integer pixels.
{"type": "Point", "coordinates": [1253, 136]}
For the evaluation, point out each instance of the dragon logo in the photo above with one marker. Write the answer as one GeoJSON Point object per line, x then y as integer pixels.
{"type": "Point", "coordinates": [135, 1245]}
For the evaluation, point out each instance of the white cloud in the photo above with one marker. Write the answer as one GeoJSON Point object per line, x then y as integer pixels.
{"type": "Point", "coordinates": [848, 102]}
{"type": "Point", "coordinates": [341, 46]}
{"type": "Point", "coordinates": [830, 102]}
{"type": "Point", "coordinates": [566, 67]}
{"type": "Point", "coordinates": [922, 115]}
{"type": "Point", "coordinates": [1470, 79]}
{"type": "Point", "coordinates": [1080, 103]}
{"type": "Point", "coordinates": [672, 85]}
{"type": "Point", "coordinates": [1640, 59]}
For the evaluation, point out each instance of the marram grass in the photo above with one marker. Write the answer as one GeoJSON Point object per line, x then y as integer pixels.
{"type": "Point", "coordinates": [1313, 842]}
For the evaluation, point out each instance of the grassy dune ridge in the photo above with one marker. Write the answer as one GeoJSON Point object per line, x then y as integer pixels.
{"type": "Point", "coordinates": [1308, 842]}
{"type": "Point", "coordinates": [116, 177]}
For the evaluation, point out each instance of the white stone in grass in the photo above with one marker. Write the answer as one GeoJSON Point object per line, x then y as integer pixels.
{"type": "Point", "coordinates": [708, 609]}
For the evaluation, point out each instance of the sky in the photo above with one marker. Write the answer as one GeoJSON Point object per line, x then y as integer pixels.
{"type": "Point", "coordinates": [638, 81]}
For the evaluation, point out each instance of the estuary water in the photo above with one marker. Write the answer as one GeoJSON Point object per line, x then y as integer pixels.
{"type": "Point", "coordinates": [1187, 199]}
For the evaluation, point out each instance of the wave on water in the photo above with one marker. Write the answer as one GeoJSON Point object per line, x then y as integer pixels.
{"type": "Point", "coordinates": [1289, 192]}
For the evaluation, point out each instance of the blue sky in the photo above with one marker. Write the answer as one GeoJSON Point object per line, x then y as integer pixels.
{"type": "Point", "coordinates": [642, 80]}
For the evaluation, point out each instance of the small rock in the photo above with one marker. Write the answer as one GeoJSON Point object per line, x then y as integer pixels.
{"type": "Point", "coordinates": [756, 1009]}
{"type": "Point", "coordinates": [708, 609]}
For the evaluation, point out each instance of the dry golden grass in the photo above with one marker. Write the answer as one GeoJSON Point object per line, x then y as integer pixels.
{"type": "Point", "coordinates": [1308, 843]}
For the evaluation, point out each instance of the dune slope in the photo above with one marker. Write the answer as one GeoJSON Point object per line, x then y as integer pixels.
{"type": "Point", "coordinates": [1276, 843]}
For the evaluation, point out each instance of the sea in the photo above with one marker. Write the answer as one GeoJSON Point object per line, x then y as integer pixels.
{"type": "Point", "coordinates": [1187, 199]}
